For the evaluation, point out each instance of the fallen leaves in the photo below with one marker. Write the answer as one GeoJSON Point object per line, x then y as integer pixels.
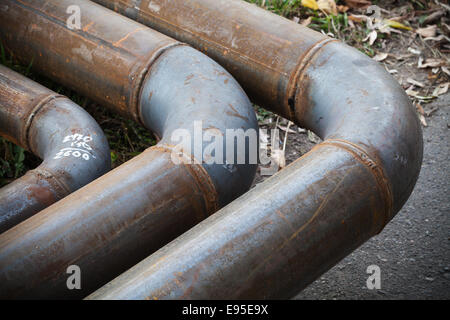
{"type": "Point", "coordinates": [433, 17]}
{"type": "Point", "coordinates": [312, 4]}
{"type": "Point", "coordinates": [327, 6]}
{"type": "Point", "coordinates": [396, 24]}
{"type": "Point", "coordinates": [422, 120]}
{"type": "Point", "coordinates": [372, 36]}
{"type": "Point", "coordinates": [306, 22]}
{"type": "Point", "coordinates": [418, 98]}
{"type": "Point", "coordinates": [441, 89]}
{"type": "Point", "coordinates": [416, 83]}
{"type": "Point", "coordinates": [358, 4]}
{"type": "Point", "coordinates": [421, 114]}
{"type": "Point", "coordinates": [427, 32]}
{"type": "Point", "coordinates": [430, 63]}
{"type": "Point", "coordinates": [380, 56]}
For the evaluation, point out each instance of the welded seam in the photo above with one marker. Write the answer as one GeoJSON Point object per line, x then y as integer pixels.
{"type": "Point", "coordinates": [200, 175]}
{"type": "Point", "coordinates": [297, 76]}
{"type": "Point", "coordinates": [141, 78]}
{"type": "Point", "coordinates": [38, 107]}
{"type": "Point", "coordinates": [374, 167]}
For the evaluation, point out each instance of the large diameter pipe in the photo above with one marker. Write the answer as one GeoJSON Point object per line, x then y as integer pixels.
{"type": "Point", "coordinates": [276, 239]}
{"type": "Point", "coordinates": [72, 145]}
{"type": "Point", "coordinates": [119, 219]}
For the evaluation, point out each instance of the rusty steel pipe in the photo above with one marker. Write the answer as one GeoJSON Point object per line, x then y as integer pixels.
{"type": "Point", "coordinates": [72, 145]}
{"type": "Point", "coordinates": [122, 217]}
{"type": "Point", "coordinates": [279, 237]}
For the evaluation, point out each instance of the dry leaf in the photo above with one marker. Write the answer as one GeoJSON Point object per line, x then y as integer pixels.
{"type": "Point", "coordinates": [351, 24]}
{"type": "Point", "coordinates": [342, 9]}
{"type": "Point", "coordinates": [358, 4]}
{"type": "Point", "coordinates": [380, 56]}
{"type": "Point", "coordinates": [434, 16]}
{"type": "Point", "coordinates": [414, 51]}
{"type": "Point", "coordinates": [414, 82]}
{"type": "Point", "coordinates": [396, 24]}
{"type": "Point", "coordinates": [441, 89]}
{"type": "Point", "coordinates": [401, 57]}
{"type": "Point", "coordinates": [422, 120]}
{"type": "Point", "coordinates": [445, 28]}
{"type": "Point", "coordinates": [285, 129]}
{"type": "Point", "coordinates": [445, 70]}
{"type": "Point", "coordinates": [420, 109]}
{"type": "Point", "coordinates": [306, 22]}
{"type": "Point", "coordinates": [327, 6]}
{"type": "Point", "coordinates": [296, 19]}
{"type": "Point", "coordinates": [411, 92]}
{"type": "Point", "coordinates": [312, 4]}
{"type": "Point", "coordinates": [355, 18]}
{"type": "Point", "coordinates": [372, 36]}
{"type": "Point", "coordinates": [438, 38]}
{"type": "Point", "coordinates": [427, 32]}
{"type": "Point", "coordinates": [430, 63]}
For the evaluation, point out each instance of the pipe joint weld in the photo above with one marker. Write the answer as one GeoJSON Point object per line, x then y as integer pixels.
{"type": "Point", "coordinates": [374, 167]}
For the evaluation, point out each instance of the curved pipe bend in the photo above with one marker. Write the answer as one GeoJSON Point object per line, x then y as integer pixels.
{"type": "Point", "coordinates": [72, 145]}
{"type": "Point", "coordinates": [280, 236]}
{"type": "Point", "coordinates": [130, 212]}
{"type": "Point", "coordinates": [353, 104]}
{"type": "Point", "coordinates": [188, 93]}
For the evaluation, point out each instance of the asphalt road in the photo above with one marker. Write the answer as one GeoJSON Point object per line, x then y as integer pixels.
{"type": "Point", "coordinates": [413, 251]}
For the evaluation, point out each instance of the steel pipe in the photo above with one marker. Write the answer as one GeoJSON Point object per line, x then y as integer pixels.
{"type": "Point", "coordinates": [277, 238]}
{"type": "Point", "coordinates": [122, 217]}
{"type": "Point", "coordinates": [72, 145]}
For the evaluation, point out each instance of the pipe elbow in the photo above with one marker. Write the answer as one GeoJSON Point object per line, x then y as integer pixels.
{"type": "Point", "coordinates": [71, 144]}
{"type": "Point", "coordinates": [201, 113]}
{"type": "Point", "coordinates": [73, 147]}
{"type": "Point", "coordinates": [351, 102]}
